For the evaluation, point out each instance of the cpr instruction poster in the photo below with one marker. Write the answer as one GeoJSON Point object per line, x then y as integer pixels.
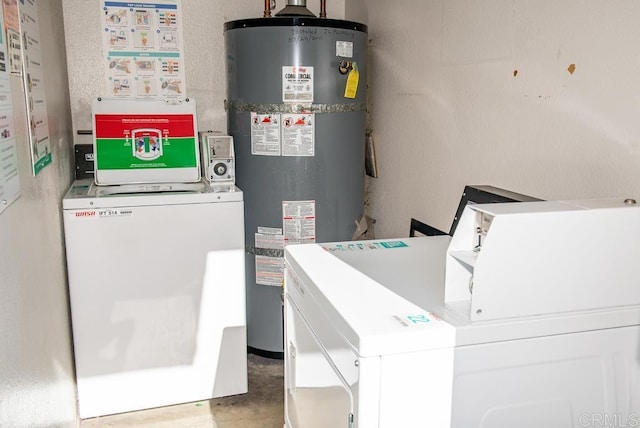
{"type": "Point", "coordinates": [9, 180]}
{"type": "Point", "coordinates": [33, 76]}
{"type": "Point", "coordinates": [143, 49]}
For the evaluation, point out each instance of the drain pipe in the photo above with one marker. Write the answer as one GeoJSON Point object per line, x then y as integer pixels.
{"type": "Point", "coordinates": [323, 8]}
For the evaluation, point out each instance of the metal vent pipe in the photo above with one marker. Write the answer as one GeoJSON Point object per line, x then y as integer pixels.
{"type": "Point", "coordinates": [295, 8]}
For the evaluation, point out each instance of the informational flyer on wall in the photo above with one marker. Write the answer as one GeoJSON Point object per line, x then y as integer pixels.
{"type": "Point", "coordinates": [9, 180]}
{"type": "Point", "coordinates": [143, 49]}
{"type": "Point", "coordinates": [13, 44]}
{"type": "Point", "coordinates": [33, 77]}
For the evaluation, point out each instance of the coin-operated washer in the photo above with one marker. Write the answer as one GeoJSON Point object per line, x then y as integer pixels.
{"type": "Point", "coordinates": [155, 262]}
{"type": "Point", "coordinates": [529, 316]}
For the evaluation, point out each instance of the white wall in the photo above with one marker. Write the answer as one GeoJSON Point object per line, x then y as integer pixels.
{"type": "Point", "coordinates": [203, 22]}
{"type": "Point", "coordinates": [447, 110]}
{"type": "Point", "coordinates": [36, 368]}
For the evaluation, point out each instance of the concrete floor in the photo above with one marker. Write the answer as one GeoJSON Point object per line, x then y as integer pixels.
{"type": "Point", "coordinates": [261, 407]}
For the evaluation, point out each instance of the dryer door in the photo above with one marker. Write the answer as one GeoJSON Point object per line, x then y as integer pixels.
{"type": "Point", "coordinates": [317, 393]}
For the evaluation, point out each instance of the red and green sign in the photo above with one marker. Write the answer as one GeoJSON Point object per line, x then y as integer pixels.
{"type": "Point", "coordinates": [141, 141]}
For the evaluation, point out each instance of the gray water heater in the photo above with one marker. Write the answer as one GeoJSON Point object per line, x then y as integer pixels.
{"type": "Point", "coordinates": [296, 106]}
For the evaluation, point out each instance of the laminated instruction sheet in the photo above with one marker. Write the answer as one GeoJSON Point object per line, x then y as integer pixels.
{"type": "Point", "coordinates": [143, 49]}
{"type": "Point", "coordinates": [145, 141]}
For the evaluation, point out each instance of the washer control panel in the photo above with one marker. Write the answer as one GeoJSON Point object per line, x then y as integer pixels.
{"type": "Point", "coordinates": [218, 157]}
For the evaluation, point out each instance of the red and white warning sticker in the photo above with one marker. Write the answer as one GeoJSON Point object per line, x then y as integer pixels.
{"type": "Point", "coordinates": [299, 222]}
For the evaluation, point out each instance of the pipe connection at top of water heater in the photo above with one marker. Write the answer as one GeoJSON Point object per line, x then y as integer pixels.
{"type": "Point", "coordinates": [295, 3]}
{"type": "Point", "coordinates": [267, 9]}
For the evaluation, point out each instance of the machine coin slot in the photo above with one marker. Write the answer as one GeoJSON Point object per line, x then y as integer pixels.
{"type": "Point", "coordinates": [483, 223]}
{"type": "Point", "coordinates": [218, 157]}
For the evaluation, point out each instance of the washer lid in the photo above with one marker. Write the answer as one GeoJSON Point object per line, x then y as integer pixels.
{"type": "Point", "coordinates": [85, 194]}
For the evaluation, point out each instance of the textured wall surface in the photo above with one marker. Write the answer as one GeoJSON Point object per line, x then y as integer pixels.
{"type": "Point", "coordinates": [37, 387]}
{"type": "Point", "coordinates": [539, 98]}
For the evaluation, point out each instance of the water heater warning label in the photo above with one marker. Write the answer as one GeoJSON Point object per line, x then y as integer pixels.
{"type": "Point", "coordinates": [299, 222]}
{"type": "Point", "coordinates": [297, 84]}
{"type": "Point", "coordinates": [298, 134]}
{"type": "Point", "coordinates": [269, 243]}
{"type": "Point", "coordinates": [288, 134]}
{"type": "Point", "coordinates": [265, 134]}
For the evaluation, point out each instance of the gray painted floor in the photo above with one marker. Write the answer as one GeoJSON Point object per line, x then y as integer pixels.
{"type": "Point", "coordinates": [261, 407]}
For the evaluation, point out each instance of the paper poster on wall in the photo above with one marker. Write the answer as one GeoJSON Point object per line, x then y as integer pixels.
{"type": "Point", "coordinates": [265, 134]}
{"type": "Point", "coordinates": [14, 52]}
{"type": "Point", "coordinates": [297, 84]}
{"type": "Point", "coordinates": [33, 80]}
{"type": "Point", "coordinates": [298, 132]}
{"type": "Point", "coordinates": [11, 23]}
{"type": "Point", "coordinates": [299, 222]}
{"type": "Point", "coordinates": [9, 180]}
{"type": "Point", "coordinates": [10, 15]}
{"type": "Point", "coordinates": [142, 44]}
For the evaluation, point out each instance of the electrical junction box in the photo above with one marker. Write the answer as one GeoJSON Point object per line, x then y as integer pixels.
{"type": "Point", "coordinates": [84, 161]}
{"type": "Point", "coordinates": [218, 157]}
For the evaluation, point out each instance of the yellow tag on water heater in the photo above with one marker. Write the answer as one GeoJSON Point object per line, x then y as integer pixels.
{"type": "Point", "coordinates": [353, 78]}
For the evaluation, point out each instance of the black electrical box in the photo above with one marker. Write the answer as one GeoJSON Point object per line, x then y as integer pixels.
{"type": "Point", "coordinates": [84, 161]}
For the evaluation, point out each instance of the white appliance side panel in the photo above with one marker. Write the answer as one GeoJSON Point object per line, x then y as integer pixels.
{"type": "Point", "coordinates": [569, 380]}
{"type": "Point", "coordinates": [317, 393]}
{"type": "Point", "coordinates": [158, 305]}
{"type": "Point", "coordinates": [416, 389]}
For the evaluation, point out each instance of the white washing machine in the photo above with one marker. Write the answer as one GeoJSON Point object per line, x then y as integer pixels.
{"type": "Point", "coordinates": [157, 291]}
